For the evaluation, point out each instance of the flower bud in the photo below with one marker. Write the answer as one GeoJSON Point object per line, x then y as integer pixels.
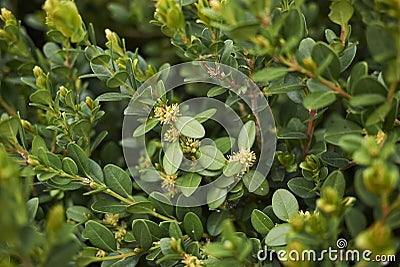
{"type": "Point", "coordinates": [309, 64]}
{"type": "Point", "coordinates": [55, 219]}
{"type": "Point", "coordinates": [89, 102]}
{"type": "Point", "coordinates": [33, 162]}
{"type": "Point", "coordinates": [285, 158]}
{"type": "Point", "coordinates": [41, 78]}
{"type": "Point", "coordinates": [7, 17]}
{"type": "Point", "coordinates": [378, 238]}
{"type": "Point", "coordinates": [380, 177]}
{"type": "Point", "coordinates": [63, 91]}
{"type": "Point", "coordinates": [5, 35]}
{"type": "Point", "coordinates": [297, 223]}
{"type": "Point", "coordinates": [169, 12]}
{"type": "Point", "coordinates": [329, 203]}
{"type": "Point", "coordinates": [113, 42]}
{"type": "Point", "coordinates": [26, 125]}
{"type": "Point", "coordinates": [63, 16]}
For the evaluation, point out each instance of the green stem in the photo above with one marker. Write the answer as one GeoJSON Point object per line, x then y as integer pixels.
{"type": "Point", "coordinates": [108, 191]}
{"type": "Point", "coordinates": [116, 257]}
{"type": "Point", "coordinates": [343, 34]}
{"type": "Point", "coordinates": [162, 217]}
{"type": "Point", "coordinates": [119, 197]}
{"type": "Point", "coordinates": [292, 64]}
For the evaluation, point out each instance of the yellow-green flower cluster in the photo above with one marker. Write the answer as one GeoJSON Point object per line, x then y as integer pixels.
{"type": "Point", "coordinates": [169, 183]}
{"type": "Point", "coordinates": [166, 114]}
{"type": "Point", "coordinates": [172, 134]}
{"type": "Point", "coordinates": [191, 261]}
{"type": "Point", "coordinates": [245, 156]}
{"type": "Point", "coordinates": [190, 145]}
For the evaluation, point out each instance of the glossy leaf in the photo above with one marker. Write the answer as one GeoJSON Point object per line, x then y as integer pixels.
{"type": "Point", "coordinates": [190, 127]}
{"type": "Point", "coordinates": [117, 180]}
{"type": "Point", "coordinates": [142, 234]}
{"type": "Point", "coordinates": [100, 236]}
{"type": "Point", "coordinates": [284, 204]}
{"type": "Point", "coordinates": [193, 226]}
{"type": "Point", "coordinates": [261, 222]}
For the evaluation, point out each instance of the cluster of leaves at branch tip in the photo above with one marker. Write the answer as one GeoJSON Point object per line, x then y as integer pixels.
{"type": "Point", "coordinates": [332, 84]}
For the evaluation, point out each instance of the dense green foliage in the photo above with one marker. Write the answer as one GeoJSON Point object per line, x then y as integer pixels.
{"type": "Point", "coordinates": [330, 71]}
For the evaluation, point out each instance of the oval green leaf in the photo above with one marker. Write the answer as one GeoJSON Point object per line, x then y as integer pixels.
{"type": "Point", "coordinates": [284, 204]}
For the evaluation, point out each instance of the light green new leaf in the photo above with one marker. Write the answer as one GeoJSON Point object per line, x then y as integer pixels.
{"type": "Point", "coordinates": [341, 12]}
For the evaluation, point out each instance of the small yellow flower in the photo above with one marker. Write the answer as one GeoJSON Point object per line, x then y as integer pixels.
{"type": "Point", "coordinates": [381, 137]}
{"type": "Point", "coordinates": [166, 114]}
{"type": "Point", "coordinates": [144, 162]}
{"type": "Point", "coordinates": [172, 134]}
{"type": "Point", "coordinates": [169, 183]}
{"type": "Point", "coordinates": [191, 261]}
{"type": "Point", "coordinates": [120, 232]}
{"type": "Point", "coordinates": [245, 156]}
{"type": "Point", "coordinates": [190, 145]}
{"type": "Point", "coordinates": [111, 219]}
{"type": "Point", "coordinates": [100, 253]}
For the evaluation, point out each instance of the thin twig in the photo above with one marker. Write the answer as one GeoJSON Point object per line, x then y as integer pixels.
{"type": "Point", "coordinates": [392, 90]}
{"type": "Point", "coordinates": [7, 107]}
{"type": "Point", "coordinates": [310, 131]}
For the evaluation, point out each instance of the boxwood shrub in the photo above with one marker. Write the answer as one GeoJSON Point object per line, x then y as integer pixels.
{"type": "Point", "coordinates": [112, 156]}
